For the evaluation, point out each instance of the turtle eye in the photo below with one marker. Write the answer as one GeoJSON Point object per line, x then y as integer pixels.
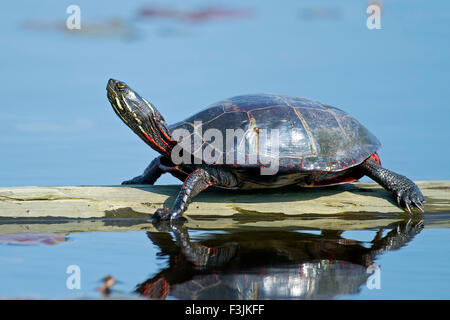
{"type": "Point", "coordinates": [121, 86]}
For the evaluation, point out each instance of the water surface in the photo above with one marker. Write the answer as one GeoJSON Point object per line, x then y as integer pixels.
{"type": "Point", "coordinates": [57, 128]}
{"type": "Point", "coordinates": [401, 260]}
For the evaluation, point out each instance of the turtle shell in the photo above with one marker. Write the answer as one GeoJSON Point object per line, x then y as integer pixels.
{"type": "Point", "coordinates": [300, 134]}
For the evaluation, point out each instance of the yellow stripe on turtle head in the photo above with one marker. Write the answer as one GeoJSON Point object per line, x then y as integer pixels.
{"type": "Point", "coordinates": [126, 104]}
{"type": "Point", "coordinates": [118, 103]}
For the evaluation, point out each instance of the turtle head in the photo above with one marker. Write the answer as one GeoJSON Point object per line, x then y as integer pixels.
{"type": "Point", "coordinates": [140, 116]}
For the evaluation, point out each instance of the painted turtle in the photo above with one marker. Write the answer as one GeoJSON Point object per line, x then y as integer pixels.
{"type": "Point", "coordinates": [271, 141]}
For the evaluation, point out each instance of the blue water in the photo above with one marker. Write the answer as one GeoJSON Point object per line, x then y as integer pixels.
{"type": "Point", "coordinates": [58, 128]}
{"type": "Point", "coordinates": [39, 272]}
{"type": "Point", "coordinates": [417, 271]}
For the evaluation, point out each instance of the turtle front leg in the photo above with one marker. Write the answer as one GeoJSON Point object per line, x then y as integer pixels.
{"type": "Point", "coordinates": [406, 192]}
{"type": "Point", "coordinates": [150, 175]}
{"type": "Point", "coordinates": [196, 182]}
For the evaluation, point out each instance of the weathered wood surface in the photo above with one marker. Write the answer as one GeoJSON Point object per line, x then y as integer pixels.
{"type": "Point", "coordinates": [354, 206]}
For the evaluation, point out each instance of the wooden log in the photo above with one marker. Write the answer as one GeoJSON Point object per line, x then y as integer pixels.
{"type": "Point", "coordinates": [353, 206]}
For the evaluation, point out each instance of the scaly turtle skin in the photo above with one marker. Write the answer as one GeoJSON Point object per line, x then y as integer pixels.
{"type": "Point", "coordinates": [316, 145]}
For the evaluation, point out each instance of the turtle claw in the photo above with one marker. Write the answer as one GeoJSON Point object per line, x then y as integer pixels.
{"type": "Point", "coordinates": [410, 198]}
{"type": "Point", "coordinates": [407, 206]}
{"type": "Point", "coordinates": [163, 214]}
{"type": "Point", "coordinates": [412, 228]}
{"type": "Point", "coordinates": [399, 199]}
{"type": "Point", "coordinates": [419, 205]}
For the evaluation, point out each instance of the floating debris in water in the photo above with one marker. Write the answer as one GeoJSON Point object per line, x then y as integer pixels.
{"type": "Point", "coordinates": [31, 239]}
{"type": "Point", "coordinates": [106, 288]}
{"type": "Point", "coordinates": [112, 28]}
{"type": "Point", "coordinates": [378, 3]}
{"type": "Point", "coordinates": [123, 29]}
{"type": "Point", "coordinates": [195, 15]}
{"type": "Point", "coordinates": [320, 13]}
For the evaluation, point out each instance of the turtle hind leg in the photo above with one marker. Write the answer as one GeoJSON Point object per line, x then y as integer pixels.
{"type": "Point", "coordinates": [150, 175]}
{"type": "Point", "coordinates": [406, 192]}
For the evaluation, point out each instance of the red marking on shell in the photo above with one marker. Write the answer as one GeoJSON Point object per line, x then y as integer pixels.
{"type": "Point", "coordinates": [376, 158]}
{"type": "Point", "coordinates": [351, 158]}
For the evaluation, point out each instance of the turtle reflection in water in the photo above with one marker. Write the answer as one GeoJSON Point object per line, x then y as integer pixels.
{"type": "Point", "coordinates": [280, 265]}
